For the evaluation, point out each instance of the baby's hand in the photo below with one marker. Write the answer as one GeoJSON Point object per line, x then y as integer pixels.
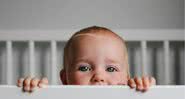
{"type": "Point", "coordinates": [141, 84]}
{"type": "Point", "coordinates": [30, 84]}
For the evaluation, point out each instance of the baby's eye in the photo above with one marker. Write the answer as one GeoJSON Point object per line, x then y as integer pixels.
{"type": "Point", "coordinates": [84, 68]}
{"type": "Point", "coordinates": [111, 69]}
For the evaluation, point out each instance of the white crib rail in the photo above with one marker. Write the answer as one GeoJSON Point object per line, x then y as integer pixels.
{"type": "Point", "coordinates": [94, 92]}
{"type": "Point", "coordinates": [54, 62]}
{"type": "Point", "coordinates": [63, 35]}
{"type": "Point", "coordinates": [31, 57]}
{"type": "Point", "coordinates": [9, 62]}
{"type": "Point", "coordinates": [166, 61]}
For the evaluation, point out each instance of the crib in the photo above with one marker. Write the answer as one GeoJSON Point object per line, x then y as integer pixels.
{"type": "Point", "coordinates": [159, 53]}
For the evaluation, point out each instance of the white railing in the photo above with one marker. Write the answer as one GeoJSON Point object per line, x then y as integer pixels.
{"type": "Point", "coordinates": [94, 92]}
{"type": "Point", "coordinates": [142, 36]}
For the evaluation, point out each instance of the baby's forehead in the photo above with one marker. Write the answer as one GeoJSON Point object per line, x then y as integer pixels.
{"type": "Point", "coordinates": [105, 43]}
{"type": "Point", "coordinates": [100, 37]}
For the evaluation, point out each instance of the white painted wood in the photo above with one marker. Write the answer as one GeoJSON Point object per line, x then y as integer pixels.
{"type": "Point", "coordinates": [144, 57]}
{"type": "Point", "coordinates": [54, 72]}
{"type": "Point", "coordinates": [94, 92]}
{"type": "Point", "coordinates": [63, 35]}
{"type": "Point", "coordinates": [32, 58]}
{"type": "Point", "coordinates": [9, 63]}
{"type": "Point", "coordinates": [166, 63]}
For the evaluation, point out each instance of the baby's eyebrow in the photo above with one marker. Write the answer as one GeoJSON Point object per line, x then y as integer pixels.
{"type": "Point", "coordinates": [107, 60]}
{"type": "Point", "coordinates": [115, 62]}
{"type": "Point", "coordinates": [81, 60]}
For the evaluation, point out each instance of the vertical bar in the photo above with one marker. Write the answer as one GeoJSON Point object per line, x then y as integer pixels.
{"type": "Point", "coordinates": [53, 62]}
{"type": "Point", "coordinates": [9, 70]}
{"type": "Point", "coordinates": [166, 63]}
{"type": "Point", "coordinates": [144, 57]}
{"type": "Point", "coordinates": [32, 58]}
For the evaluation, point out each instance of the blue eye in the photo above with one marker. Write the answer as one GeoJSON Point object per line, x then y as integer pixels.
{"type": "Point", "coordinates": [84, 68]}
{"type": "Point", "coordinates": [111, 69]}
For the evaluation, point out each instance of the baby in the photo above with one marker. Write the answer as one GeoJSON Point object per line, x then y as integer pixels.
{"type": "Point", "coordinates": [94, 56]}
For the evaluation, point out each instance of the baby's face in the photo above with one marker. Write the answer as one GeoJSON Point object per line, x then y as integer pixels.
{"type": "Point", "coordinates": [97, 60]}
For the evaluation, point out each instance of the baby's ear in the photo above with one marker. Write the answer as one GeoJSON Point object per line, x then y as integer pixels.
{"type": "Point", "coordinates": [63, 77]}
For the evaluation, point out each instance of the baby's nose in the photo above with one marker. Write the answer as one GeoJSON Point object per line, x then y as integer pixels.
{"type": "Point", "coordinates": [98, 78]}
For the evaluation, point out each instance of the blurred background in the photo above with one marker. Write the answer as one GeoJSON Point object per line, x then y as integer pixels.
{"type": "Point", "coordinates": [33, 34]}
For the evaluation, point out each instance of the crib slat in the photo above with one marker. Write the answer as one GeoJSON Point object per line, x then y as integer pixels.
{"type": "Point", "coordinates": [31, 58]}
{"type": "Point", "coordinates": [144, 57]}
{"type": "Point", "coordinates": [54, 62]}
{"type": "Point", "coordinates": [9, 70]}
{"type": "Point", "coordinates": [166, 63]}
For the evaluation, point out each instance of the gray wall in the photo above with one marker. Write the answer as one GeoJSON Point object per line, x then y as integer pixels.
{"type": "Point", "coordinates": [75, 14]}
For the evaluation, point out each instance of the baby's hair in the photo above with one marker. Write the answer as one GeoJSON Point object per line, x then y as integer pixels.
{"type": "Point", "coordinates": [92, 31]}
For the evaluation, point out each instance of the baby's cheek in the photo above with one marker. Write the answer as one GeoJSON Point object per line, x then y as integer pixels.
{"type": "Point", "coordinates": [118, 79]}
{"type": "Point", "coordinates": [80, 79]}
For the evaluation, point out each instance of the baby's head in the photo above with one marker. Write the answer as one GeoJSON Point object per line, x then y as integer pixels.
{"type": "Point", "coordinates": [95, 56]}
